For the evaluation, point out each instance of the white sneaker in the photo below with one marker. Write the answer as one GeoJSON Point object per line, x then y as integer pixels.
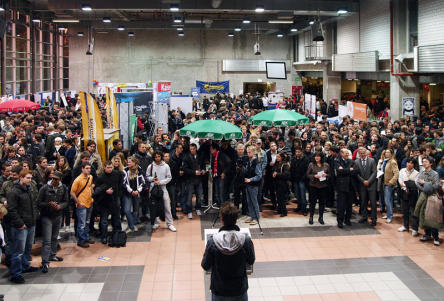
{"type": "Point", "coordinates": [248, 219]}
{"type": "Point", "coordinates": [384, 217]}
{"type": "Point", "coordinates": [436, 242]}
{"type": "Point", "coordinates": [389, 220]}
{"type": "Point", "coordinates": [156, 226]}
{"type": "Point", "coordinates": [414, 233]}
{"type": "Point", "coordinates": [402, 229]}
{"type": "Point", "coordinates": [190, 215]}
{"type": "Point", "coordinates": [171, 227]}
{"type": "Point", "coordinates": [136, 229]}
{"type": "Point", "coordinates": [59, 237]}
{"type": "Point", "coordinates": [67, 229]}
{"type": "Point", "coordinates": [129, 230]}
{"type": "Point", "coordinates": [198, 213]}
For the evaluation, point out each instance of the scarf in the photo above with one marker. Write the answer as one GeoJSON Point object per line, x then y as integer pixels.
{"type": "Point", "coordinates": [215, 163]}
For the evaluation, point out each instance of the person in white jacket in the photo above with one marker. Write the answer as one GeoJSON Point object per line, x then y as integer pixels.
{"type": "Point", "coordinates": [159, 173]}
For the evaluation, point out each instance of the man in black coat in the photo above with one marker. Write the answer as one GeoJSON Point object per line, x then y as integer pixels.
{"type": "Point", "coordinates": [228, 255]}
{"type": "Point", "coordinates": [106, 192]}
{"type": "Point", "coordinates": [298, 169]}
{"type": "Point", "coordinates": [220, 168]}
{"type": "Point", "coordinates": [22, 213]}
{"type": "Point", "coordinates": [194, 169]}
{"type": "Point", "coordinates": [344, 171]}
{"type": "Point", "coordinates": [176, 168]}
{"type": "Point", "coordinates": [240, 162]}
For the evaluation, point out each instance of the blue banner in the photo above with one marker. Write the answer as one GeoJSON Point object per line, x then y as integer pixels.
{"type": "Point", "coordinates": [195, 92]}
{"type": "Point", "coordinates": [213, 87]}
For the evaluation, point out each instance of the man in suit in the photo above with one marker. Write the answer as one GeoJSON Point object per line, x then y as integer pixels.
{"type": "Point", "coordinates": [366, 175]}
{"type": "Point", "coordinates": [344, 171]}
{"type": "Point", "coordinates": [220, 167]}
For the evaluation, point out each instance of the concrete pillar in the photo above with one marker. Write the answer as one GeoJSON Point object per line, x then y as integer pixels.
{"type": "Point", "coordinates": [331, 83]}
{"type": "Point", "coordinates": [401, 86]}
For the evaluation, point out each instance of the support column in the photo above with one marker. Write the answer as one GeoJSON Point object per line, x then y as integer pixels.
{"type": "Point", "coordinates": [331, 83]}
{"type": "Point", "coordinates": [403, 86]}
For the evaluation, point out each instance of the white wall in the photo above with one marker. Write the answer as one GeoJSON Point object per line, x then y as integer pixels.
{"type": "Point", "coordinates": [348, 34]}
{"type": "Point", "coordinates": [162, 55]}
{"type": "Point", "coordinates": [430, 22]}
{"type": "Point", "coordinates": [374, 32]}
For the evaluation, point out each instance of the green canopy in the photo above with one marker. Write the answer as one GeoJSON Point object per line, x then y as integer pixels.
{"type": "Point", "coordinates": [211, 129]}
{"type": "Point", "coordinates": [278, 118]}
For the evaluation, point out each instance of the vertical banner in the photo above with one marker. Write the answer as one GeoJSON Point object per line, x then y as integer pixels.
{"type": "Point", "coordinates": [408, 106]}
{"type": "Point", "coordinates": [92, 123]}
{"type": "Point", "coordinates": [357, 110]}
{"type": "Point", "coordinates": [195, 92]}
{"type": "Point", "coordinates": [313, 106]}
{"type": "Point", "coordinates": [112, 121]}
{"type": "Point", "coordinates": [162, 92]}
{"type": "Point", "coordinates": [133, 125]}
{"type": "Point", "coordinates": [307, 102]}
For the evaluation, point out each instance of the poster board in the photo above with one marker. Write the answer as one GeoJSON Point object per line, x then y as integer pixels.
{"type": "Point", "coordinates": [275, 97]}
{"type": "Point", "coordinates": [141, 101]}
{"type": "Point", "coordinates": [409, 106]}
{"type": "Point", "coordinates": [307, 102]}
{"type": "Point", "coordinates": [357, 111]}
{"type": "Point", "coordinates": [313, 106]}
{"type": "Point", "coordinates": [185, 103]}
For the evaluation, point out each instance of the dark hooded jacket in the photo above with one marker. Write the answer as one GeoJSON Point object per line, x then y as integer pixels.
{"type": "Point", "coordinates": [227, 255]}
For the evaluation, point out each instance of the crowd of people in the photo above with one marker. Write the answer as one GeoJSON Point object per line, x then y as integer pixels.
{"type": "Point", "coordinates": [49, 180]}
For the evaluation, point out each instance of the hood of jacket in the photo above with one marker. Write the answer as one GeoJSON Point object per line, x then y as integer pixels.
{"type": "Point", "coordinates": [229, 240]}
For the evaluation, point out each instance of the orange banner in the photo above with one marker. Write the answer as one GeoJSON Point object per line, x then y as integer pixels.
{"type": "Point", "coordinates": [357, 110]}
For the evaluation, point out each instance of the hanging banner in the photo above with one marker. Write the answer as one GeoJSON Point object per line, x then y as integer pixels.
{"type": "Point", "coordinates": [313, 106]}
{"type": "Point", "coordinates": [164, 87]}
{"type": "Point", "coordinates": [307, 102]}
{"type": "Point", "coordinates": [408, 106]}
{"type": "Point", "coordinates": [357, 110]}
{"type": "Point", "coordinates": [133, 125]}
{"type": "Point", "coordinates": [112, 121]}
{"type": "Point", "coordinates": [213, 87]}
{"type": "Point", "coordinates": [92, 125]}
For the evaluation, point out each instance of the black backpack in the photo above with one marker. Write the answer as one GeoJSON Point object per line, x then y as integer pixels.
{"type": "Point", "coordinates": [117, 239]}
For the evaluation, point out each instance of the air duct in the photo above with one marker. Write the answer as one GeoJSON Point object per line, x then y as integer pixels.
{"type": "Point", "coordinates": [317, 32]}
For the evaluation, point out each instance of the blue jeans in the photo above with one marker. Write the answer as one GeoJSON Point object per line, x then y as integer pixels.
{"type": "Point", "coordinates": [129, 202]}
{"type": "Point", "coordinates": [198, 190]}
{"type": "Point", "coordinates": [388, 198]}
{"type": "Point", "coordinates": [219, 196]}
{"type": "Point", "coordinates": [243, 297]}
{"type": "Point", "coordinates": [83, 217]}
{"type": "Point", "coordinates": [253, 207]}
{"type": "Point", "coordinates": [299, 190]}
{"type": "Point", "coordinates": [22, 241]}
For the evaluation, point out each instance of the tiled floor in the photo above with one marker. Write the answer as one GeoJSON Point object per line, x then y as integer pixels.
{"type": "Point", "coordinates": [294, 261]}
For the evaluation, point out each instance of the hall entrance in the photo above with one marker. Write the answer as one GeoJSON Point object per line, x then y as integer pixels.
{"type": "Point", "coordinates": [261, 87]}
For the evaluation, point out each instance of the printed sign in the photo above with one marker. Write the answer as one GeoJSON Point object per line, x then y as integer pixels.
{"type": "Point", "coordinates": [213, 87]}
{"type": "Point", "coordinates": [408, 106]}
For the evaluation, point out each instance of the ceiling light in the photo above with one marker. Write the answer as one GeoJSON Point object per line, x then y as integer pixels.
{"type": "Point", "coordinates": [230, 34]}
{"type": "Point", "coordinates": [342, 11]}
{"type": "Point", "coordinates": [36, 20]}
{"type": "Point", "coordinates": [432, 84]}
{"type": "Point", "coordinates": [80, 34]}
{"type": "Point", "coordinates": [387, 81]}
{"type": "Point", "coordinates": [181, 34]}
{"type": "Point", "coordinates": [174, 7]}
{"type": "Point", "coordinates": [378, 81]}
{"type": "Point", "coordinates": [312, 22]}
{"type": "Point", "coordinates": [177, 20]}
{"type": "Point", "coordinates": [1, 8]}
{"type": "Point", "coordinates": [246, 21]}
{"type": "Point", "coordinates": [179, 28]}
{"type": "Point", "coordinates": [86, 7]}
{"type": "Point", "coordinates": [131, 34]}
{"type": "Point", "coordinates": [260, 9]}
{"type": "Point", "coordinates": [293, 29]}
{"type": "Point", "coordinates": [120, 28]}
{"type": "Point", "coordinates": [106, 20]}
{"type": "Point", "coordinates": [280, 21]}
{"type": "Point", "coordinates": [237, 29]}
{"type": "Point", "coordinates": [65, 21]}
{"type": "Point", "coordinates": [280, 35]}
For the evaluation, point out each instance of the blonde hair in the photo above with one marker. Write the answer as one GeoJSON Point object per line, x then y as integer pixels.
{"type": "Point", "coordinates": [252, 148]}
{"type": "Point", "coordinates": [3, 210]}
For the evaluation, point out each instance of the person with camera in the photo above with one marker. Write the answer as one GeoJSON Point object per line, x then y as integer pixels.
{"type": "Point", "coordinates": [227, 255]}
{"type": "Point", "coordinates": [53, 199]}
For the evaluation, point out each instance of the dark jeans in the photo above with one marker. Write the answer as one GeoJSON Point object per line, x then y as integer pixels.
{"type": "Point", "coordinates": [172, 193]}
{"type": "Point", "coordinates": [282, 197]}
{"type": "Point", "coordinates": [408, 206]}
{"type": "Point", "coordinates": [318, 194]}
{"type": "Point", "coordinates": [50, 231]}
{"type": "Point", "coordinates": [112, 208]}
{"type": "Point", "coordinates": [260, 194]}
{"type": "Point", "coordinates": [66, 217]}
{"type": "Point", "coordinates": [243, 297]}
{"type": "Point", "coordinates": [239, 197]}
{"type": "Point", "coordinates": [83, 219]}
{"type": "Point", "coordinates": [344, 207]}
{"type": "Point", "coordinates": [271, 189]}
{"type": "Point", "coordinates": [196, 189]}
{"type": "Point", "coordinates": [432, 232]}
{"type": "Point", "coordinates": [367, 195]}
{"type": "Point", "coordinates": [8, 240]}
{"type": "Point", "coordinates": [219, 195]}
{"type": "Point", "coordinates": [299, 191]}
{"type": "Point", "coordinates": [22, 241]}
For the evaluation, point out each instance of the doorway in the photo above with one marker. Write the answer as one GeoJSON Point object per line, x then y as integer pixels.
{"type": "Point", "coordinates": [260, 87]}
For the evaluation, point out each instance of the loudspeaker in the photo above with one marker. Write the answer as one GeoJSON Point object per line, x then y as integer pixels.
{"type": "Point", "coordinates": [317, 32]}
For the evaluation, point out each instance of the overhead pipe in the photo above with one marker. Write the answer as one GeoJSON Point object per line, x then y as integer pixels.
{"type": "Point", "coordinates": [391, 46]}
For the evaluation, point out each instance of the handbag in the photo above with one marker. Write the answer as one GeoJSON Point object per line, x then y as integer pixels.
{"type": "Point", "coordinates": [157, 191]}
{"type": "Point", "coordinates": [433, 211]}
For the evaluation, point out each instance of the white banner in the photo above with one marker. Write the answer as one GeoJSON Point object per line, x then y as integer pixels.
{"type": "Point", "coordinates": [313, 106]}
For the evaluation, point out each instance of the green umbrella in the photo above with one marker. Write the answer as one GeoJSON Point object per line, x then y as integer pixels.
{"type": "Point", "coordinates": [211, 129]}
{"type": "Point", "coordinates": [278, 118]}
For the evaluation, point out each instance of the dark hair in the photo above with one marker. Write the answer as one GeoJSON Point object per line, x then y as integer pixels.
{"type": "Point", "coordinates": [229, 213]}
{"type": "Point", "coordinates": [193, 144]}
{"type": "Point", "coordinates": [298, 148]}
{"type": "Point", "coordinates": [318, 154]}
{"type": "Point", "coordinates": [84, 155]}
{"type": "Point", "coordinates": [115, 142]}
{"type": "Point", "coordinates": [16, 169]}
{"type": "Point", "coordinates": [90, 142]}
{"type": "Point", "coordinates": [215, 146]}
{"type": "Point", "coordinates": [5, 165]}
{"type": "Point", "coordinates": [430, 159]}
{"type": "Point", "coordinates": [41, 159]}
{"type": "Point", "coordinates": [158, 153]}
{"type": "Point", "coordinates": [411, 160]}
{"type": "Point", "coordinates": [68, 141]}
{"type": "Point", "coordinates": [85, 164]}
{"type": "Point", "coordinates": [108, 162]}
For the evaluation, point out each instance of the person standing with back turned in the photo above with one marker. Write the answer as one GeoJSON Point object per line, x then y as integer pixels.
{"type": "Point", "coordinates": [227, 255]}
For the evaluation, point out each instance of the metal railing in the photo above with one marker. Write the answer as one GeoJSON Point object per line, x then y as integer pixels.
{"type": "Point", "coordinates": [315, 52]}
